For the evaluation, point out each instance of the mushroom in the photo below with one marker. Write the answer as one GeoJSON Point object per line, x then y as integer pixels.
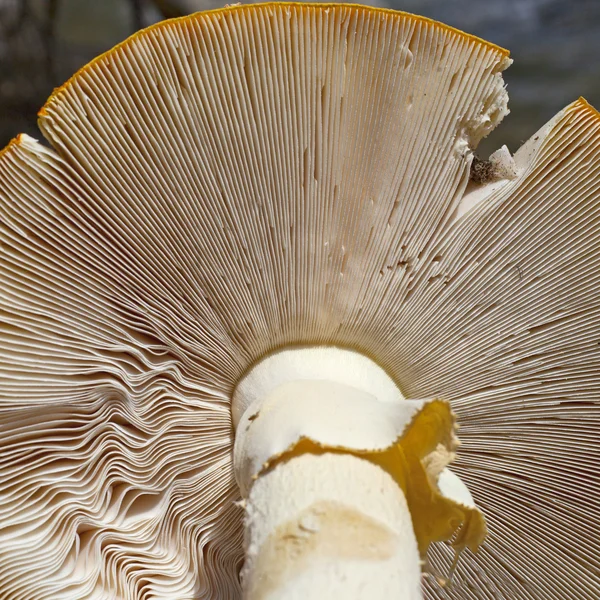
{"type": "Point", "coordinates": [262, 219]}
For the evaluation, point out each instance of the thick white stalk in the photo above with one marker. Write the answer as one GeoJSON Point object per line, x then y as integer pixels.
{"type": "Point", "coordinates": [329, 526]}
{"type": "Point", "coordinates": [326, 449]}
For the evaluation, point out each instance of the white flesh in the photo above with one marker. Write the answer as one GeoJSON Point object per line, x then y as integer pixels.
{"type": "Point", "coordinates": [329, 526]}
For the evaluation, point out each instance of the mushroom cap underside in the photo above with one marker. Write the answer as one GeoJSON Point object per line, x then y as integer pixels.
{"type": "Point", "coordinates": [268, 176]}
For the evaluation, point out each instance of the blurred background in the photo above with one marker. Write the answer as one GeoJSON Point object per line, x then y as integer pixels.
{"type": "Point", "coordinates": [555, 45]}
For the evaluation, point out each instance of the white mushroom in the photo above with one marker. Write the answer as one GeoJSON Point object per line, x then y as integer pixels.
{"type": "Point", "coordinates": [263, 215]}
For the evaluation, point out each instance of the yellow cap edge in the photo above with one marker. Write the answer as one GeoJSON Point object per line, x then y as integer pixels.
{"type": "Point", "coordinates": [582, 104]}
{"type": "Point", "coordinates": [15, 142]}
{"type": "Point", "coordinates": [252, 7]}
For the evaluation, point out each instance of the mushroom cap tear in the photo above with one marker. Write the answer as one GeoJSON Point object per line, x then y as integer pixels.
{"type": "Point", "coordinates": [267, 176]}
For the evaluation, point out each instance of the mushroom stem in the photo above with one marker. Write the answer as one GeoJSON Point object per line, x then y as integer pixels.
{"type": "Point", "coordinates": [339, 473]}
{"type": "Point", "coordinates": [326, 526]}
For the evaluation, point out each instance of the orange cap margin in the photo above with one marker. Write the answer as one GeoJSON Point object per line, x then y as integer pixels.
{"type": "Point", "coordinates": [252, 7]}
